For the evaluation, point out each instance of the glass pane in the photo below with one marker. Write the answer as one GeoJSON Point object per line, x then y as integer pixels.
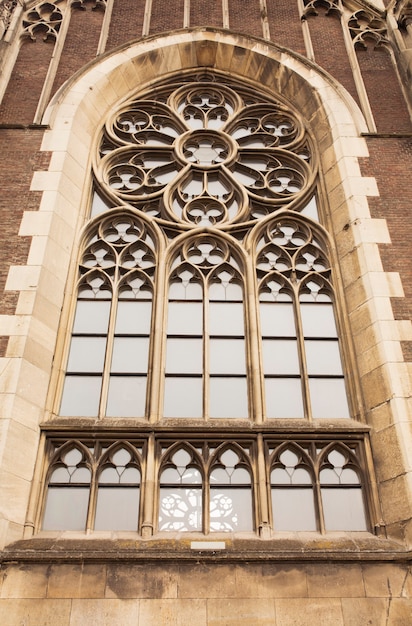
{"type": "Point", "coordinates": [66, 508]}
{"type": "Point", "coordinates": [130, 475]}
{"type": "Point", "coordinates": [121, 457]}
{"type": "Point", "coordinates": [221, 476]}
{"type": "Point", "coordinates": [228, 398]}
{"type": "Point", "coordinates": [185, 318]}
{"type": "Point", "coordinates": [328, 397]}
{"type": "Point", "coordinates": [227, 356]}
{"type": "Point", "coordinates": [127, 396]}
{"type": "Point", "coordinates": [226, 318]}
{"type": "Point", "coordinates": [133, 318]}
{"type": "Point", "coordinates": [117, 508]}
{"type": "Point", "coordinates": [98, 205]}
{"type": "Point", "coordinates": [277, 319]}
{"type": "Point", "coordinates": [230, 509]}
{"type": "Point", "coordinates": [87, 354]}
{"type": "Point", "coordinates": [311, 209]}
{"type": "Point", "coordinates": [318, 320]}
{"type": "Point", "coordinates": [226, 291]}
{"type": "Point", "coordinates": [183, 397]}
{"type": "Point", "coordinates": [186, 290]}
{"type": "Point", "coordinates": [81, 396]}
{"type": "Point", "coordinates": [130, 354]}
{"type": "Point", "coordinates": [92, 317]}
{"type": "Point", "coordinates": [343, 509]}
{"type": "Point", "coordinates": [283, 397]}
{"type": "Point", "coordinates": [185, 356]}
{"type": "Point", "coordinates": [323, 357]}
{"type": "Point", "coordinates": [180, 509]}
{"type": "Point", "coordinates": [293, 509]}
{"type": "Point", "coordinates": [280, 356]}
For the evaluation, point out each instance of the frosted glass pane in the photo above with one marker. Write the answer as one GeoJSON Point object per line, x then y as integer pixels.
{"type": "Point", "coordinates": [117, 508]}
{"type": "Point", "coordinates": [280, 356]}
{"type": "Point", "coordinates": [183, 397]}
{"type": "Point", "coordinates": [87, 354]}
{"type": "Point", "coordinates": [293, 509]}
{"type": "Point", "coordinates": [277, 319]}
{"type": "Point", "coordinates": [225, 291]}
{"type": "Point", "coordinates": [81, 396]}
{"type": "Point", "coordinates": [283, 397]}
{"type": "Point", "coordinates": [185, 356]}
{"type": "Point", "coordinates": [91, 317]}
{"type": "Point", "coordinates": [130, 354]}
{"type": "Point", "coordinates": [127, 396]}
{"type": "Point", "coordinates": [180, 509]}
{"type": "Point", "coordinates": [133, 318]}
{"type": "Point", "coordinates": [98, 205]}
{"type": "Point", "coordinates": [228, 397]}
{"type": "Point", "coordinates": [323, 357]}
{"type": "Point", "coordinates": [66, 508]}
{"type": "Point", "coordinates": [185, 318]}
{"type": "Point", "coordinates": [328, 397]}
{"type": "Point", "coordinates": [226, 318]}
{"type": "Point", "coordinates": [318, 320]}
{"type": "Point", "coordinates": [185, 290]}
{"type": "Point", "coordinates": [343, 509]}
{"type": "Point", "coordinates": [311, 209]}
{"type": "Point", "coordinates": [227, 356]}
{"type": "Point", "coordinates": [230, 509]}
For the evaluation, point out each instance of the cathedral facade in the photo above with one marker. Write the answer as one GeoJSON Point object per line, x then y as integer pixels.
{"type": "Point", "coordinates": [206, 293]}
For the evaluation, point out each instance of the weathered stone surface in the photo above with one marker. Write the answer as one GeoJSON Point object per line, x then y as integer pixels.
{"type": "Point", "coordinates": [35, 612]}
{"type": "Point", "coordinates": [309, 612]}
{"type": "Point", "coordinates": [105, 612]}
{"type": "Point", "coordinates": [173, 613]}
{"type": "Point", "coordinates": [239, 612]}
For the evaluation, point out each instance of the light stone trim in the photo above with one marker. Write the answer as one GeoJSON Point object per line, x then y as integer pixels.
{"type": "Point", "coordinates": [81, 106]}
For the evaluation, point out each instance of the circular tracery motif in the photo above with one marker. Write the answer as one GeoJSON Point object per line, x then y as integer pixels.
{"type": "Point", "coordinates": [206, 154]}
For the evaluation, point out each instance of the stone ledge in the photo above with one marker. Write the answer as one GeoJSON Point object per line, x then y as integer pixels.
{"type": "Point", "coordinates": [349, 547]}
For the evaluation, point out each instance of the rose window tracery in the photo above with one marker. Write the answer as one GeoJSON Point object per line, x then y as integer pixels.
{"type": "Point", "coordinates": [205, 154]}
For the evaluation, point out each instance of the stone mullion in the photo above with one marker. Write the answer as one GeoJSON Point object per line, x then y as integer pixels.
{"type": "Point", "coordinates": [307, 405]}
{"type": "Point", "coordinates": [155, 391]}
{"type": "Point", "coordinates": [149, 490]}
{"type": "Point", "coordinates": [109, 344]}
{"type": "Point", "coordinates": [262, 492]}
{"type": "Point", "coordinates": [255, 377]}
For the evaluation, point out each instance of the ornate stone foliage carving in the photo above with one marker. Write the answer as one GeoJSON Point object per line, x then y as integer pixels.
{"type": "Point", "coordinates": [43, 19]}
{"type": "Point", "coordinates": [366, 26]}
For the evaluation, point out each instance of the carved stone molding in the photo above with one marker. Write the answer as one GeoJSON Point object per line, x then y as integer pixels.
{"type": "Point", "coordinates": [365, 26]}
{"type": "Point", "coordinates": [45, 19]}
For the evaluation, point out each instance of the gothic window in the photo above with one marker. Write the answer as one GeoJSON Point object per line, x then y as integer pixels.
{"type": "Point", "coordinates": [206, 304]}
{"type": "Point", "coordinates": [94, 486]}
